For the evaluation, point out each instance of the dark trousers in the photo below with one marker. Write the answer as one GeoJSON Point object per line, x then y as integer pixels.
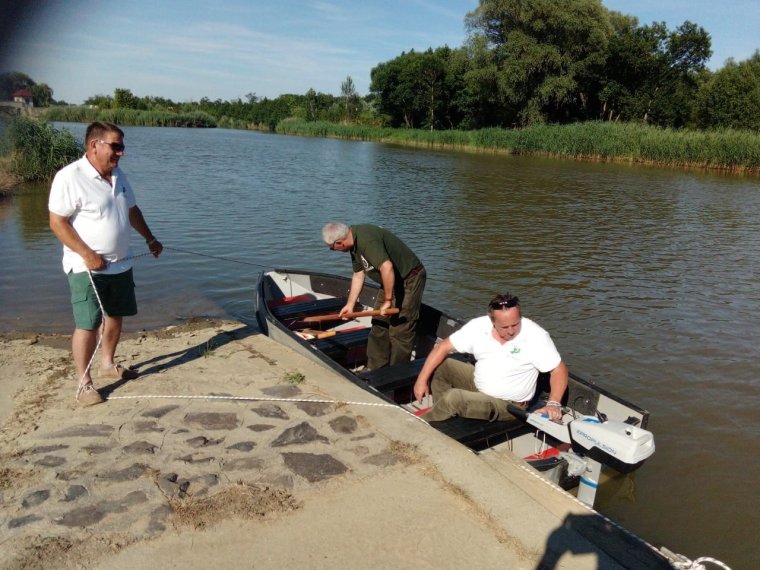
{"type": "Point", "coordinates": [391, 340]}
{"type": "Point", "coordinates": [454, 394]}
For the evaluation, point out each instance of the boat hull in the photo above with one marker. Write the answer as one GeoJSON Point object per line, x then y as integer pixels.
{"type": "Point", "coordinates": [287, 299]}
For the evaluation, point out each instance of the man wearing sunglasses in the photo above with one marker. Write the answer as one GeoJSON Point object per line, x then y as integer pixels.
{"type": "Point", "coordinates": [510, 350]}
{"type": "Point", "coordinates": [379, 254]}
{"type": "Point", "coordinates": [92, 208]}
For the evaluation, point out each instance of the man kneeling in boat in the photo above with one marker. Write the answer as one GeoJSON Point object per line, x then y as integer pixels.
{"type": "Point", "coordinates": [510, 350]}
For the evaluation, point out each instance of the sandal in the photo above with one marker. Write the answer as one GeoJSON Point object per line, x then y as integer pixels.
{"type": "Point", "coordinates": [119, 372]}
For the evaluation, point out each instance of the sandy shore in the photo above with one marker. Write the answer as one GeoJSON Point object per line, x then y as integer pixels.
{"type": "Point", "coordinates": [232, 450]}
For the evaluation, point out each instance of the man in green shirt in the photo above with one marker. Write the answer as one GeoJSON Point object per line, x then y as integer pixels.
{"type": "Point", "coordinates": [378, 254]}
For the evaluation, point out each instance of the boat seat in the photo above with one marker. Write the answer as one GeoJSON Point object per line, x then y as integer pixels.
{"type": "Point", "coordinates": [342, 342]}
{"type": "Point", "coordinates": [399, 375]}
{"type": "Point", "coordinates": [308, 308]}
{"type": "Point", "coordinates": [393, 377]}
{"type": "Point", "coordinates": [480, 434]}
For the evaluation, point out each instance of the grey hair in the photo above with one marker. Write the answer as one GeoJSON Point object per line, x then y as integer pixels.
{"type": "Point", "coordinates": [334, 231]}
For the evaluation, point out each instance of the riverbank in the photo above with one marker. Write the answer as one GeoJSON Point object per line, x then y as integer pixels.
{"type": "Point", "coordinates": [231, 450]}
{"type": "Point", "coordinates": [726, 150]}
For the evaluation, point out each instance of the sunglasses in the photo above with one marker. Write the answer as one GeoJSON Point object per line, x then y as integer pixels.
{"type": "Point", "coordinates": [507, 304]}
{"type": "Point", "coordinates": [116, 147]}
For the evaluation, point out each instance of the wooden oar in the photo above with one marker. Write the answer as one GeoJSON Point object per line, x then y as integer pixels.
{"type": "Point", "coordinates": [310, 334]}
{"type": "Point", "coordinates": [336, 316]}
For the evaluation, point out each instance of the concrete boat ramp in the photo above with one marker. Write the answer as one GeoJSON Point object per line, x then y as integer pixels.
{"type": "Point", "coordinates": [232, 451]}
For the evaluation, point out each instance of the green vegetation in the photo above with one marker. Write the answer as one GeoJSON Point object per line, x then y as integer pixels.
{"type": "Point", "coordinates": [35, 150]}
{"type": "Point", "coordinates": [12, 81]}
{"type": "Point", "coordinates": [294, 377]}
{"type": "Point", "coordinates": [725, 149]}
{"type": "Point", "coordinates": [208, 350]}
{"type": "Point", "coordinates": [131, 117]}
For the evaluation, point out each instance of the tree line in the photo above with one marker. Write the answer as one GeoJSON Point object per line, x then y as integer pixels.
{"type": "Point", "coordinates": [565, 61]}
{"type": "Point", "coordinates": [524, 63]}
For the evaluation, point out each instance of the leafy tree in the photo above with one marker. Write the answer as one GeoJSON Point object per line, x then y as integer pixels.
{"type": "Point", "coordinates": [42, 95]}
{"type": "Point", "coordinates": [12, 81]}
{"type": "Point", "coordinates": [124, 99]}
{"type": "Point", "coordinates": [311, 105]}
{"type": "Point", "coordinates": [481, 101]}
{"type": "Point", "coordinates": [547, 54]}
{"type": "Point", "coordinates": [395, 97]}
{"type": "Point", "coordinates": [431, 72]}
{"type": "Point", "coordinates": [351, 100]}
{"type": "Point", "coordinates": [100, 101]}
{"type": "Point", "coordinates": [417, 89]}
{"type": "Point", "coordinates": [731, 97]}
{"type": "Point", "coordinates": [652, 74]}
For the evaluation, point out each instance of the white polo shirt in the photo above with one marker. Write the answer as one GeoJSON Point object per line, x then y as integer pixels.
{"type": "Point", "coordinates": [98, 210]}
{"type": "Point", "coordinates": [507, 371]}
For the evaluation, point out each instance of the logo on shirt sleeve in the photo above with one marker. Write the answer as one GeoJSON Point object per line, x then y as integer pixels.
{"type": "Point", "coordinates": [366, 264]}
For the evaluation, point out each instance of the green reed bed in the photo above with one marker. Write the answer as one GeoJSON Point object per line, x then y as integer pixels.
{"type": "Point", "coordinates": [724, 149]}
{"type": "Point", "coordinates": [36, 150]}
{"type": "Point", "coordinates": [131, 117]}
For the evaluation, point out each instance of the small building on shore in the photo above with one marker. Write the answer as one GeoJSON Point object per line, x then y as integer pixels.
{"type": "Point", "coordinates": [22, 102]}
{"type": "Point", "coordinates": [24, 97]}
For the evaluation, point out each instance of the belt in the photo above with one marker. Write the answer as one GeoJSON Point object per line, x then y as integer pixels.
{"type": "Point", "coordinates": [415, 271]}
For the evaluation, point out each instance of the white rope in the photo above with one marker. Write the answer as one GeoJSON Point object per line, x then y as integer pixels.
{"type": "Point", "coordinates": [81, 384]}
{"type": "Point", "coordinates": [256, 398]}
{"type": "Point", "coordinates": [698, 564]}
{"type": "Point", "coordinates": [266, 399]}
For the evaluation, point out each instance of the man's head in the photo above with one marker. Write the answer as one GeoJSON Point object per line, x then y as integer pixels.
{"type": "Point", "coordinates": [105, 146]}
{"type": "Point", "coordinates": [506, 316]}
{"type": "Point", "coordinates": [337, 236]}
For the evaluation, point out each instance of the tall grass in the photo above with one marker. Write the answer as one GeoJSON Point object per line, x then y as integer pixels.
{"type": "Point", "coordinates": [725, 149]}
{"type": "Point", "coordinates": [131, 117]}
{"type": "Point", "coordinates": [36, 150]}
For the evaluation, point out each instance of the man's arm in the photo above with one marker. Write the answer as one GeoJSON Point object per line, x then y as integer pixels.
{"type": "Point", "coordinates": [137, 221]}
{"type": "Point", "coordinates": [357, 284]}
{"type": "Point", "coordinates": [388, 277]}
{"type": "Point", "coordinates": [434, 359]}
{"type": "Point", "coordinates": [69, 237]}
{"type": "Point", "coordinates": [557, 387]}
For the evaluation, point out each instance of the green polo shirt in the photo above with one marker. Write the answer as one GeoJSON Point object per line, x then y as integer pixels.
{"type": "Point", "coordinates": [373, 245]}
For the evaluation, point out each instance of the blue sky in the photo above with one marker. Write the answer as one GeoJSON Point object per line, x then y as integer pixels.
{"type": "Point", "coordinates": [225, 49]}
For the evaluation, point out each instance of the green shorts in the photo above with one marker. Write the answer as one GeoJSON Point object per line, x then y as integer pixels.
{"type": "Point", "coordinates": [117, 293]}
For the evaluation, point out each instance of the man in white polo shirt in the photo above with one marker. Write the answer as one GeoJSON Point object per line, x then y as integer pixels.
{"type": "Point", "coordinates": [91, 208]}
{"type": "Point", "coordinates": [510, 350]}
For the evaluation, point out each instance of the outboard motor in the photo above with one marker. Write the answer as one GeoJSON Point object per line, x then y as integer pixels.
{"type": "Point", "coordinates": [619, 445]}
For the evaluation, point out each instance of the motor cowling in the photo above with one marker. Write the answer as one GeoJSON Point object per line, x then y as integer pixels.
{"type": "Point", "coordinates": [619, 445]}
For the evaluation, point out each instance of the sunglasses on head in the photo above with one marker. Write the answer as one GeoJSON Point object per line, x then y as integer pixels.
{"type": "Point", "coordinates": [505, 304]}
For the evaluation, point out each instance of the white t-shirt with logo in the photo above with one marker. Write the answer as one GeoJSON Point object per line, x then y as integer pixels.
{"type": "Point", "coordinates": [98, 211]}
{"type": "Point", "coordinates": [507, 371]}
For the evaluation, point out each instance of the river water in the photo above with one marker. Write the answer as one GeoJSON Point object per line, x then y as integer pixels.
{"type": "Point", "coordinates": [646, 278]}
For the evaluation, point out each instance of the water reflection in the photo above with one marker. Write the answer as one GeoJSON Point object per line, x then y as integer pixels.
{"type": "Point", "coordinates": [31, 203]}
